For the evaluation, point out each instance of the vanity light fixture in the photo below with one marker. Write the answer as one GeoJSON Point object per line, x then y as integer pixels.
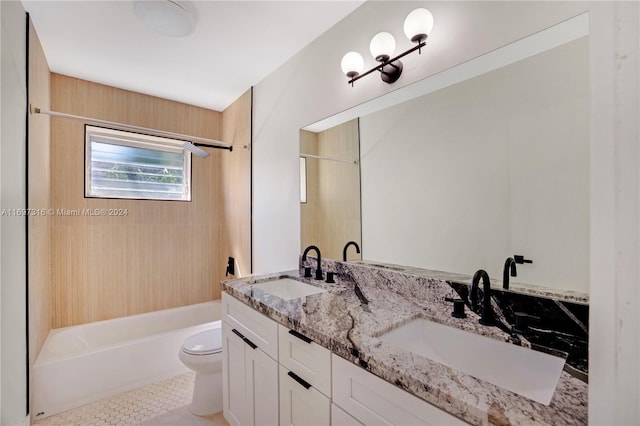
{"type": "Point", "coordinates": [417, 27]}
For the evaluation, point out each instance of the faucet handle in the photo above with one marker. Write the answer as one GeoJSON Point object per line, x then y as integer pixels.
{"type": "Point", "coordinates": [521, 322]}
{"type": "Point", "coordinates": [520, 259]}
{"type": "Point", "coordinates": [458, 307]}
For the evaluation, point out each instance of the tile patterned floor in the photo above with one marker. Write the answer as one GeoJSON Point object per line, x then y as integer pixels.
{"type": "Point", "coordinates": [182, 417]}
{"type": "Point", "coordinates": [165, 400]}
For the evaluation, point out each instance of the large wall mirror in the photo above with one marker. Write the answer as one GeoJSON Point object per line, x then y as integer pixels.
{"type": "Point", "coordinates": [468, 175]}
{"type": "Point", "coordinates": [330, 183]}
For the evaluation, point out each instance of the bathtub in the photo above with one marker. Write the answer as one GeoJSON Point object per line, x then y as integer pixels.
{"type": "Point", "coordinates": [84, 363]}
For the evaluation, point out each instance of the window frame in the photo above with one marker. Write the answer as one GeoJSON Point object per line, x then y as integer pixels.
{"type": "Point", "coordinates": [303, 180]}
{"type": "Point", "coordinates": [132, 139]}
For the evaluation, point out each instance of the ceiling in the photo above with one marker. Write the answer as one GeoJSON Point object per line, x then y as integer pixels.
{"type": "Point", "coordinates": [235, 45]}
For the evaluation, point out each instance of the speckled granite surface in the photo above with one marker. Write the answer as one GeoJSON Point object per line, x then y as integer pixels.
{"type": "Point", "coordinates": [551, 293]}
{"type": "Point", "coordinates": [337, 320]}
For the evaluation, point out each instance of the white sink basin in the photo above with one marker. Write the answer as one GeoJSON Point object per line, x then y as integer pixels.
{"type": "Point", "coordinates": [288, 289]}
{"type": "Point", "coordinates": [524, 371]}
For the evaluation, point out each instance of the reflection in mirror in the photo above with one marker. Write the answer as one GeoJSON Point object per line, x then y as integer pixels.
{"type": "Point", "coordinates": [495, 166]}
{"type": "Point", "coordinates": [331, 215]}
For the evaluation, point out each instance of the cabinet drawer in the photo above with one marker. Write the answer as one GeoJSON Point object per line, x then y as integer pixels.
{"type": "Point", "coordinates": [302, 404]}
{"type": "Point", "coordinates": [260, 330]}
{"type": "Point", "coordinates": [371, 400]}
{"type": "Point", "coordinates": [306, 358]}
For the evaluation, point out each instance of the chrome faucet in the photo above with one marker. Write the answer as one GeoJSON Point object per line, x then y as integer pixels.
{"type": "Point", "coordinates": [486, 315]}
{"type": "Point", "coordinates": [319, 269]}
{"type": "Point", "coordinates": [509, 264]}
{"type": "Point", "coordinates": [346, 246]}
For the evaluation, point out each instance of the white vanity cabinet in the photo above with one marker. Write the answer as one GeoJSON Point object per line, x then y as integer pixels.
{"type": "Point", "coordinates": [273, 375]}
{"type": "Point", "coordinates": [368, 399]}
{"type": "Point", "coordinates": [305, 380]}
{"type": "Point", "coordinates": [249, 365]}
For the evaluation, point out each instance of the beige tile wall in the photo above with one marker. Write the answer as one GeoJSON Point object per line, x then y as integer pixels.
{"type": "Point", "coordinates": [160, 254]}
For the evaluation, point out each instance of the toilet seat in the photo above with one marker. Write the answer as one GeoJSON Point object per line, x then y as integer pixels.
{"type": "Point", "coordinates": [204, 343]}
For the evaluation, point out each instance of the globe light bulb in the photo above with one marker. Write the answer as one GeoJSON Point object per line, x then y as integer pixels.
{"type": "Point", "coordinates": [418, 25]}
{"type": "Point", "coordinates": [352, 64]}
{"type": "Point", "coordinates": [382, 46]}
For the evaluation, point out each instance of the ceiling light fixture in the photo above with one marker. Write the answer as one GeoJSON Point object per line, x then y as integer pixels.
{"type": "Point", "coordinates": [167, 17]}
{"type": "Point", "coordinates": [417, 27]}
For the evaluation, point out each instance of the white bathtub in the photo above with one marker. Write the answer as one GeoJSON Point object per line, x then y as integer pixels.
{"type": "Point", "coordinates": [84, 363]}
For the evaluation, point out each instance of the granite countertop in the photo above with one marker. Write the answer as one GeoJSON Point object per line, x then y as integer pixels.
{"type": "Point", "coordinates": [337, 320]}
{"type": "Point", "coordinates": [565, 295]}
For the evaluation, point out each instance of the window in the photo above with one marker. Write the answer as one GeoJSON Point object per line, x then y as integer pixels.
{"type": "Point", "coordinates": [303, 180]}
{"type": "Point", "coordinates": [123, 164]}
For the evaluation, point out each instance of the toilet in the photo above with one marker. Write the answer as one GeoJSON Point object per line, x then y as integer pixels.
{"type": "Point", "coordinates": [202, 353]}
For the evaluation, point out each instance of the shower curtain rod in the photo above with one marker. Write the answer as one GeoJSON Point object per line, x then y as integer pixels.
{"type": "Point", "coordinates": [319, 157]}
{"type": "Point", "coordinates": [211, 143]}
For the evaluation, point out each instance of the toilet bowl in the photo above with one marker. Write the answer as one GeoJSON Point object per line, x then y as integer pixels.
{"type": "Point", "coordinates": [202, 353]}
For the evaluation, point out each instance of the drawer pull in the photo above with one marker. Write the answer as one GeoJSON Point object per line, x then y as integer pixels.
{"type": "Point", "coordinates": [250, 343]}
{"type": "Point", "coordinates": [300, 336]}
{"type": "Point", "coordinates": [244, 339]}
{"type": "Point", "coordinates": [298, 379]}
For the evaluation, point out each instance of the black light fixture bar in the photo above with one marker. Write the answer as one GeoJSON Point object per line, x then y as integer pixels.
{"type": "Point", "coordinates": [381, 65]}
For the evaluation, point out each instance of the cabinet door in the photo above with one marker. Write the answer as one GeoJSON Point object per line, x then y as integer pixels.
{"type": "Point", "coordinates": [300, 405]}
{"type": "Point", "coordinates": [250, 382]}
{"type": "Point", "coordinates": [374, 401]}
{"type": "Point", "coordinates": [339, 417]}
{"type": "Point", "coordinates": [235, 395]}
{"type": "Point", "coordinates": [262, 375]}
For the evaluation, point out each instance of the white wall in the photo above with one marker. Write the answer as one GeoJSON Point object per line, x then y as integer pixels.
{"type": "Point", "coordinates": [13, 228]}
{"type": "Point", "coordinates": [311, 87]}
{"type": "Point", "coordinates": [1, 37]}
{"type": "Point", "coordinates": [462, 178]}
{"type": "Point", "coordinates": [614, 322]}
